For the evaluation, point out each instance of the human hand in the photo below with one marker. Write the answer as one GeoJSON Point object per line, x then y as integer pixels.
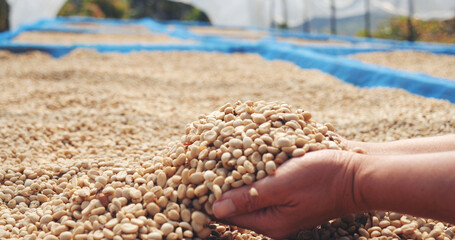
{"type": "Point", "coordinates": [343, 141]}
{"type": "Point", "coordinates": [303, 193]}
{"type": "Point", "coordinates": [355, 146]}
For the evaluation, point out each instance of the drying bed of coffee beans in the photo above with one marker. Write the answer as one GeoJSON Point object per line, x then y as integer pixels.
{"type": "Point", "coordinates": [70, 38]}
{"type": "Point", "coordinates": [138, 146]}
{"type": "Point", "coordinates": [437, 65]}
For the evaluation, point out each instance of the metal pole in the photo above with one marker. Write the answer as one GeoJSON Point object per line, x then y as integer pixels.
{"type": "Point", "coordinates": [143, 10]}
{"type": "Point", "coordinates": [306, 22]}
{"type": "Point", "coordinates": [454, 17]}
{"type": "Point", "coordinates": [4, 16]}
{"type": "Point", "coordinates": [272, 14]}
{"type": "Point", "coordinates": [412, 34]}
{"type": "Point", "coordinates": [367, 19]}
{"type": "Point", "coordinates": [333, 24]}
{"type": "Point", "coordinates": [78, 4]}
{"type": "Point", "coordinates": [285, 13]}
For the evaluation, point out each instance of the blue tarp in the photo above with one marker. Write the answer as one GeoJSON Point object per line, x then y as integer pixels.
{"type": "Point", "coordinates": [329, 59]}
{"type": "Point", "coordinates": [366, 75]}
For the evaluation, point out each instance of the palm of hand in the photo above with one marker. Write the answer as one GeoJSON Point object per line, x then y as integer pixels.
{"type": "Point", "coordinates": [304, 193]}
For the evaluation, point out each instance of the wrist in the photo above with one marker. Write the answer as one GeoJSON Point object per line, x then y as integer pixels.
{"type": "Point", "coordinates": [361, 170]}
{"type": "Point", "coordinates": [366, 182]}
{"type": "Point", "coordinates": [350, 196]}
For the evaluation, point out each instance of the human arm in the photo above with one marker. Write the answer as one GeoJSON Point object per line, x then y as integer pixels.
{"type": "Point", "coordinates": [419, 184]}
{"type": "Point", "coordinates": [406, 146]}
{"type": "Point", "coordinates": [323, 185]}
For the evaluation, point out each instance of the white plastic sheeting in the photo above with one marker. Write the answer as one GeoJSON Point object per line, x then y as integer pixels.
{"type": "Point", "coordinates": [29, 11]}
{"type": "Point", "coordinates": [259, 13]}
{"type": "Point", "coordinates": [434, 9]}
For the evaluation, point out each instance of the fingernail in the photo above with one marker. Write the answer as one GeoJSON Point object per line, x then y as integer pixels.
{"type": "Point", "coordinates": [223, 208]}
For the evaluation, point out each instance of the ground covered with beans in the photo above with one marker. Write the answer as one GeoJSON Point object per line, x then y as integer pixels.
{"type": "Point", "coordinates": [69, 38]}
{"type": "Point", "coordinates": [91, 144]}
{"type": "Point", "coordinates": [438, 65]}
{"type": "Point", "coordinates": [108, 28]}
{"type": "Point", "coordinates": [302, 41]}
{"type": "Point", "coordinates": [230, 33]}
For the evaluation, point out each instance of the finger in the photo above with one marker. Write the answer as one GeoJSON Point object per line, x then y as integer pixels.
{"type": "Point", "coordinates": [241, 200]}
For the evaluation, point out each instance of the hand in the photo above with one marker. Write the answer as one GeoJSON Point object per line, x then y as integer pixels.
{"type": "Point", "coordinates": [303, 193]}
{"type": "Point", "coordinates": [343, 141]}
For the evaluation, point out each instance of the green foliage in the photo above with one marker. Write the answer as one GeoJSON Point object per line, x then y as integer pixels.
{"type": "Point", "coordinates": [362, 33]}
{"type": "Point", "coordinates": [396, 29]}
{"type": "Point", "coordinates": [195, 15]}
{"type": "Point", "coordinates": [429, 31]}
{"type": "Point", "coordinates": [3, 16]}
{"type": "Point", "coordinates": [166, 10]}
{"type": "Point", "coordinates": [157, 9]}
{"type": "Point", "coordinates": [114, 9]}
{"type": "Point", "coordinates": [96, 8]}
{"type": "Point", "coordinates": [282, 26]}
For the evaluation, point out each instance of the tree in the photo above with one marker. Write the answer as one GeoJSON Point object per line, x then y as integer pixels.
{"type": "Point", "coordinates": [157, 9]}
{"type": "Point", "coordinates": [429, 31]}
{"type": "Point", "coordinates": [96, 8]}
{"type": "Point", "coordinates": [166, 10]}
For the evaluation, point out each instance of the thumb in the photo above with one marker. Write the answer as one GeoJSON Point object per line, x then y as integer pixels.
{"type": "Point", "coordinates": [261, 194]}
